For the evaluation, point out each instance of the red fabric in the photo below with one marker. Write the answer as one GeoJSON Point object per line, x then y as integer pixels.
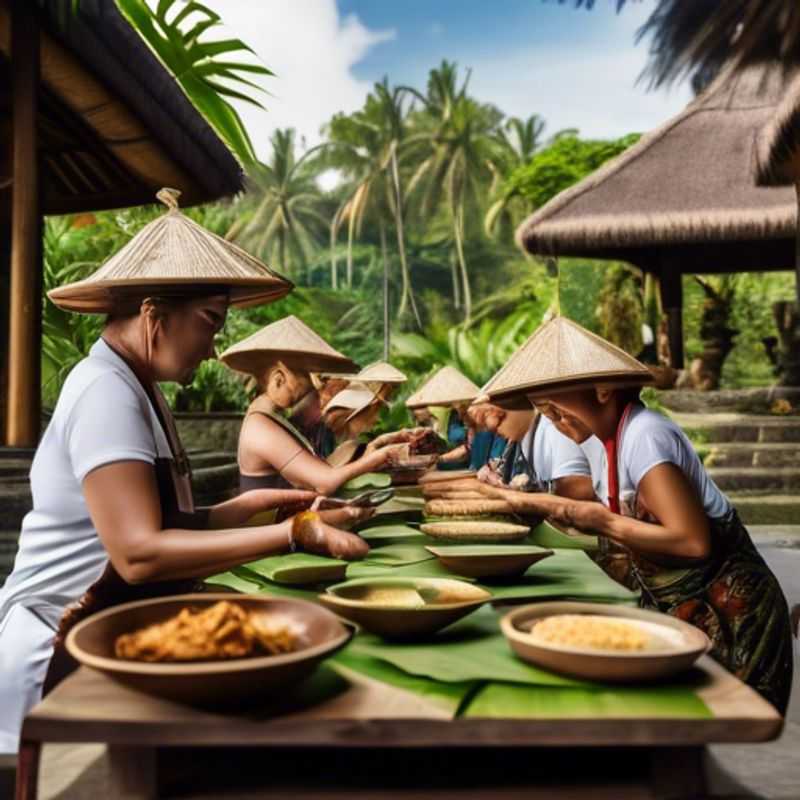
{"type": "Point", "coordinates": [612, 450]}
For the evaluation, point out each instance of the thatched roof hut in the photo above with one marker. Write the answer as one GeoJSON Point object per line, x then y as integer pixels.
{"type": "Point", "coordinates": [684, 198]}
{"type": "Point", "coordinates": [113, 125]}
{"type": "Point", "coordinates": [89, 120]}
{"type": "Point", "coordinates": [778, 142]}
{"type": "Point", "coordinates": [685, 193]}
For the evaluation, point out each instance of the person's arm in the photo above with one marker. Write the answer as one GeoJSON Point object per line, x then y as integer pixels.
{"type": "Point", "coordinates": [301, 468]}
{"type": "Point", "coordinates": [455, 455]}
{"type": "Point", "coordinates": [576, 487]}
{"type": "Point", "coordinates": [236, 511]}
{"type": "Point", "coordinates": [682, 529]}
{"type": "Point", "coordinates": [123, 502]}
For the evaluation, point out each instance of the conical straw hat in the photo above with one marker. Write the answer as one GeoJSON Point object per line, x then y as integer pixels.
{"type": "Point", "coordinates": [445, 387]}
{"type": "Point", "coordinates": [562, 355]}
{"type": "Point", "coordinates": [288, 340]}
{"type": "Point", "coordinates": [354, 399]}
{"type": "Point", "coordinates": [381, 372]}
{"type": "Point", "coordinates": [173, 255]}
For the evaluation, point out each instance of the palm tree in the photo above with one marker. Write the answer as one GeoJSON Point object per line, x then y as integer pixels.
{"type": "Point", "coordinates": [696, 38]}
{"type": "Point", "coordinates": [365, 147]}
{"type": "Point", "coordinates": [458, 144]}
{"type": "Point", "coordinates": [283, 216]}
{"type": "Point", "coordinates": [518, 140]}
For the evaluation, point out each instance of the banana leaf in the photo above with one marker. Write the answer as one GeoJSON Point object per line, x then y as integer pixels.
{"type": "Point", "coordinates": [471, 650]}
{"type": "Point", "coordinates": [369, 480]}
{"type": "Point", "coordinates": [299, 568]}
{"type": "Point", "coordinates": [398, 554]}
{"type": "Point", "coordinates": [229, 580]}
{"type": "Point", "coordinates": [424, 569]}
{"type": "Point", "coordinates": [395, 532]}
{"type": "Point", "coordinates": [506, 700]}
{"type": "Point", "coordinates": [266, 586]}
{"type": "Point", "coordinates": [449, 696]}
{"type": "Point", "coordinates": [545, 535]}
{"type": "Point", "coordinates": [382, 519]}
{"type": "Point", "coordinates": [568, 574]}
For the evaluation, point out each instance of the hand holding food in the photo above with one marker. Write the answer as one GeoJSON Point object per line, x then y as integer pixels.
{"type": "Point", "coordinates": [313, 535]}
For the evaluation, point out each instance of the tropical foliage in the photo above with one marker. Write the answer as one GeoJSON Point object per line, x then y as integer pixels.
{"type": "Point", "coordinates": [411, 255]}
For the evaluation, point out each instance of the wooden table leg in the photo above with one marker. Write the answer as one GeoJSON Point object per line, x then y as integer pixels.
{"type": "Point", "coordinates": [677, 773]}
{"type": "Point", "coordinates": [28, 769]}
{"type": "Point", "coordinates": [133, 773]}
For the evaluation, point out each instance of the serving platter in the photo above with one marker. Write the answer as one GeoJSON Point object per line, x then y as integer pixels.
{"type": "Point", "coordinates": [489, 561]}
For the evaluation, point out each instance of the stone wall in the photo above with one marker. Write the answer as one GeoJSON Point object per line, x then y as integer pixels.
{"type": "Point", "coordinates": [740, 401]}
{"type": "Point", "coordinates": [217, 433]}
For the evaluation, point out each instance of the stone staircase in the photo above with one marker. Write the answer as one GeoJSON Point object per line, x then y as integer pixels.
{"type": "Point", "coordinates": [754, 459]}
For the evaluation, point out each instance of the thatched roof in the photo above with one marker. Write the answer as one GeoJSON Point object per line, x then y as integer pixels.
{"type": "Point", "coordinates": [114, 125]}
{"type": "Point", "coordinates": [778, 142]}
{"type": "Point", "coordinates": [685, 195]}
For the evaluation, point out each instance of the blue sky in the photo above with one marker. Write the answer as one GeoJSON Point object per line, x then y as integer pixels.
{"type": "Point", "coordinates": [574, 67]}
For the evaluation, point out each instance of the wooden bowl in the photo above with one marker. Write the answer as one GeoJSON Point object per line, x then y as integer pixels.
{"type": "Point", "coordinates": [207, 683]}
{"type": "Point", "coordinates": [486, 531]}
{"type": "Point", "coordinates": [393, 621]}
{"type": "Point", "coordinates": [683, 644]}
{"type": "Point", "coordinates": [489, 561]}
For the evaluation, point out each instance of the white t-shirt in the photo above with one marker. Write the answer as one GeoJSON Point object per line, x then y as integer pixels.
{"type": "Point", "coordinates": [649, 439]}
{"type": "Point", "coordinates": [554, 456]}
{"type": "Point", "coordinates": [102, 415]}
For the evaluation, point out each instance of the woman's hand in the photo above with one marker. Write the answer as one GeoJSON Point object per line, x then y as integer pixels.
{"type": "Point", "coordinates": [489, 476]}
{"type": "Point", "coordinates": [314, 535]}
{"type": "Point", "coordinates": [389, 456]}
{"type": "Point", "coordinates": [346, 517]}
{"type": "Point", "coordinates": [241, 509]}
{"type": "Point", "coordinates": [393, 437]}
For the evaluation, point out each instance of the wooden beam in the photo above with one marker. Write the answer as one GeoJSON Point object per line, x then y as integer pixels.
{"type": "Point", "coordinates": [672, 302]}
{"type": "Point", "coordinates": [23, 404]}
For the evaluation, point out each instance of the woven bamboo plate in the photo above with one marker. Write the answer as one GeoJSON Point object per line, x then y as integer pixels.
{"type": "Point", "coordinates": [486, 531]}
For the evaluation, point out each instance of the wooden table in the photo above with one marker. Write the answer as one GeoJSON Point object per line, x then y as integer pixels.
{"type": "Point", "coordinates": [376, 741]}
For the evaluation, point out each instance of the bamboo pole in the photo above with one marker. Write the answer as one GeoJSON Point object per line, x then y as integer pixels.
{"type": "Point", "coordinates": [23, 405]}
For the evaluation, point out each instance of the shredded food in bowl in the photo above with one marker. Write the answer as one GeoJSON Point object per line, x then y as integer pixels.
{"type": "Point", "coordinates": [222, 631]}
{"type": "Point", "coordinates": [590, 632]}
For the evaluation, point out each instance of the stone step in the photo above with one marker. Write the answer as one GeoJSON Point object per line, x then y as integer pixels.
{"type": "Point", "coordinates": [752, 454]}
{"type": "Point", "coordinates": [714, 428]}
{"type": "Point", "coordinates": [13, 467]}
{"type": "Point", "coordinates": [8, 549]}
{"type": "Point", "coordinates": [757, 508]}
{"type": "Point", "coordinates": [15, 503]}
{"type": "Point", "coordinates": [778, 479]}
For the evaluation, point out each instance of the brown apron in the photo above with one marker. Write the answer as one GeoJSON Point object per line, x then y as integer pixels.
{"type": "Point", "coordinates": [173, 478]}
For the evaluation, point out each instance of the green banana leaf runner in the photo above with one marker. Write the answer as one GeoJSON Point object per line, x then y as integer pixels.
{"type": "Point", "coordinates": [392, 531]}
{"type": "Point", "coordinates": [369, 480]}
{"type": "Point", "coordinates": [299, 568]}
{"type": "Point", "coordinates": [506, 700]}
{"type": "Point", "coordinates": [545, 535]}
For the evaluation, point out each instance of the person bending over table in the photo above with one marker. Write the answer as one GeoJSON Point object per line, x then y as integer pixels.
{"type": "Point", "coordinates": [273, 453]}
{"type": "Point", "coordinates": [113, 518]}
{"type": "Point", "coordinates": [687, 550]}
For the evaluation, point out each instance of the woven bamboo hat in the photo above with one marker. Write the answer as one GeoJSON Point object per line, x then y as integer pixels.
{"type": "Point", "coordinates": [561, 355]}
{"type": "Point", "coordinates": [173, 255]}
{"type": "Point", "coordinates": [355, 398]}
{"type": "Point", "coordinates": [445, 387]}
{"type": "Point", "coordinates": [288, 340]}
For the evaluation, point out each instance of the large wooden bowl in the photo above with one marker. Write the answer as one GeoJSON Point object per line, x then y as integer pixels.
{"type": "Point", "coordinates": [402, 622]}
{"type": "Point", "coordinates": [207, 683]}
{"type": "Point", "coordinates": [688, 644]}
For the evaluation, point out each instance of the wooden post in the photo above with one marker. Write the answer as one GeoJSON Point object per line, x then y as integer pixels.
{"type": "Point", "coordinates": [672, 303]}
{"type": "Point", "coordinates": [24, 332]}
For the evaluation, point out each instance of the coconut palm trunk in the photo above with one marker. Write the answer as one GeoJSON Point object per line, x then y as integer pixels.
{"type": "Point", "coordinates": [407, 295]}
{"type": "Point", "coordinates": [385, 257]}
{"type": "Point", "coordinates": [458, 231]}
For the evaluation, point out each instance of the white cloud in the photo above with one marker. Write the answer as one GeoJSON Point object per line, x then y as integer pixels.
{"type": "Point", "coordinates": [592, 88]}
{"type": "Point", "coordinates": [312, 50]}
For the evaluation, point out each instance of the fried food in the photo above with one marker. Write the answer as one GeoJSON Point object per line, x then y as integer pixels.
{"type": "Point", "coordinates": [222, 631]}
{"type": "Point", "coordinates": [591, 632]}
